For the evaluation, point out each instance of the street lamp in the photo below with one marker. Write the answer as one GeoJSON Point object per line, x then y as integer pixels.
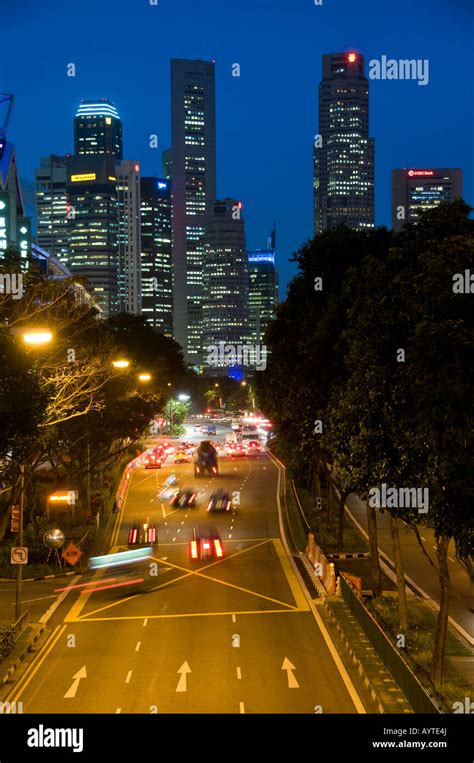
{"type": "Point", "coordinates": [121, 363]}
{"type": "Point", "coordinates": [32, 337]}
{"type": "Point", "coordinates": [36, 337]}
{"type": "Point", "coordinates": [183, 398]}
{"type": "Point", "coordinates": [144, 377]}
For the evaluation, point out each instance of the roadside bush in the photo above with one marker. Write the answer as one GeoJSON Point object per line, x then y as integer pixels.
{"type": "Point", "coordinates": [7, 640]}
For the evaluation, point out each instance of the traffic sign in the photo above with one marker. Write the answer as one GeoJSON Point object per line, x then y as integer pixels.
{"type": "Point", "coordinates": [15, 519]}
{"type": "Point", "coordinates": [19, 555]}
{"type": "Point", "coordinates": [72, 554]}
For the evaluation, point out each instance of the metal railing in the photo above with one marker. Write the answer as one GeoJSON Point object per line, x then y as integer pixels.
{"type": "Point", "coordinates": [413, 690]}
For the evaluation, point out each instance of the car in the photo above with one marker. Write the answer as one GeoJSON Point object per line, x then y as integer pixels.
{"type": "Point", "coordinates": [239, 450]}
{"type": "Point", "coordinates": [220, 500]}
{"type": "Point", "coordinates": [253, 447]}
{"type": "Point", "coordinates": [181, 456]}
{"type": "Point", "coordinates": [152, 461]}
{"type": "Point", "coordinates": [205, 543]}
{"type": "Point", "coordinates": [141, 534]}
{"type": "Point", "coordinates": [183, 497]}
{"type": "Point", "coordinates": [197, 427]}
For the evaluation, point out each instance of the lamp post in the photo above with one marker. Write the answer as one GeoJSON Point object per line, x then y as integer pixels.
{"type": "Point", "coordinates": [36, 337]}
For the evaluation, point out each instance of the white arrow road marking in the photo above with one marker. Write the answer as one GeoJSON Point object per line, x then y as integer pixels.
{"type": "Point", "coordinates": [184, 670]}
{"type": "Point", "coordinates": [71, 692]}
{"type": "Point", "coordinates": [289, 667]}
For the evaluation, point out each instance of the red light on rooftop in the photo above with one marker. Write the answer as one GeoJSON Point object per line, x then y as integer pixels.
{"type": "Point", "coordinates": [137, 168]}
{"type": "Point", "coordinates": [351, 58]}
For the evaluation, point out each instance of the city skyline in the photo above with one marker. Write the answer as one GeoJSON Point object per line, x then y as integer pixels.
{"type": "Point", "coordinates": [260, 138]}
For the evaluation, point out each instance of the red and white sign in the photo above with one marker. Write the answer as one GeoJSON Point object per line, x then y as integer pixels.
{"type": "Point", "coordinates": [19, 555]}
{"type": "Point", "coordinates": [420, 173]}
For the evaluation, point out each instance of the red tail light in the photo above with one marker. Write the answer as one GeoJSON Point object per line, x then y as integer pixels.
{"type": "Point", "coordinates": [192, 498]}
{"type": "Point", "coordinates": [194, 551]}
{"type": "Point", "coordinates": [229, 505]}
{"type": "Point", "coordinates": [209, 506]}
{"type": "Point", "coordinates": [218, 547]}
{"type": "Point", "coordinates": [132, 537]}
{"type": "Point", "coordinates": [214, 470]}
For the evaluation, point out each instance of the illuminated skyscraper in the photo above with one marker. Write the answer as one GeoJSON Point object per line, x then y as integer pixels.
{"type": "Point", "coordinates": [156, 266]}
{"type": "Point", "coordinates": [194, 193]}
{"type": "Point", "coordinates": [225, 281]}
{"type": "Point", "coordinates": [263, 289]}
{"type": "Point", "coordinates": [343, 151]}
{"type": "Point", "coordinates": [98, 129]}
{"type": "Point", "coordinates": [93, 227]}
{"type": "Point", "coordinates": [51, 206]}
{"type": "Point", "coordinates": [127, 173]}
{"type": "Point", "coordinates": [416, 190]}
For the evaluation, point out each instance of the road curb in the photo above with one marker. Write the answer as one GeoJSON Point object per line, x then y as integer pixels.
{"type": "Point", "coordinates": [23, 654]}
{"type": "Point", "coordinates": [45, 577]}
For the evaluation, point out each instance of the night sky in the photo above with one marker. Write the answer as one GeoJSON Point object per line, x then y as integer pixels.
{"type": "Point", "coordinates": [266, 119]}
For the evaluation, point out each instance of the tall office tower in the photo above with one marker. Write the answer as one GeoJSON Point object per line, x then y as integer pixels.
{"type": "Point", "coordinates": [93, 227]}
{"type": "Point", "coordinates": [167, 163]}
{"type": "Point", "coordinates": [15, 228]}
{"type": "Point", "coordinates": [225, 281]}
{"type": "Point", "coordinates": [156, 265]}
{"type": "Point", "coordinates": [51, 204]}
{"type": "Point", "coordinates": [343, 152]}
{"type": "Point", "coordinates": [127, 173]}
{"type": "Point", "coordinates": [98, 129]}
{"type": "Point", "coordinates": [263, 289]}
{"type": "Point", "coordinates": [194, 193]}
{"type": "Point", "coordinates": [414, 191]}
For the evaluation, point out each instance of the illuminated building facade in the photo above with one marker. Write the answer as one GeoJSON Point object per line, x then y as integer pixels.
{"type": "Point", "coordinates": [263, 290]}
{"type": "Point", "coordinates": [156, 264]}
{"type": "Point", "coordinates": [193, 162]}
{"type": "Point", "coordinates": [51, 206]}
{"type": "Point", "coordinates": [93, 227]}
{"type": "Point", "coordinates": [15, 227]}
{"type": "Point", "coordinates": [416, 190]}
{"type": "Point", "coordinates": [127, 174]}
{"type": "Point", "coordinates": [98, 129]}
{"type": "Point", "coordinates": [225, 281]}
{"type": "Point", "coordinates": [343, 152]}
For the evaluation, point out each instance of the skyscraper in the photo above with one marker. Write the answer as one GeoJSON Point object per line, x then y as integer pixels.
{"type": "Point", "coordinates": [51, 206]}
{"type": "Point", "coordinates": [93, 227]}
{"type": "Point", "coordinates": [127, 175]}
{"type": "Point", "coordinates": [263, 289]}
{"type": "Point", "coordinates": [416, 190]}
{"type": "Point", "coordinates": [225, 281]}
{"type": "Point", "coordinates": [343, 151]}
{"type": "Point", "coordinates": [194, 193]}
{"type": "Point", "coordinates": [98, 129]}
{"type": "Point", "coordinates": [156, 266]}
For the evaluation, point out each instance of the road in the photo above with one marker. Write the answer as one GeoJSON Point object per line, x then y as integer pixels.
{"type": "Point", "coordinates": [233, 635]}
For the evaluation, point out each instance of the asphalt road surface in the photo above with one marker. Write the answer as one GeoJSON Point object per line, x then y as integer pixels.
{"type": "Point", "coordinates": [231, 635]}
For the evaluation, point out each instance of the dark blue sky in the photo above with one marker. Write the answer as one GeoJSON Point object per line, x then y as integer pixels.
{"type": "Point", "coordinates": [266, 119]}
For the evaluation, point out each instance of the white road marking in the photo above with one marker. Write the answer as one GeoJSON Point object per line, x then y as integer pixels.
{"type": "Point", "coordinates": [422, 537]}
{"type": "Point", "coordinates": [182, 522]}
{"type": "Point", "coordinates": [145, 621]}
{"type": "Point", "coordinates": [239, 674]}
{"type": "Point", "coordinates": [242, 708]}
{"type": "Point", "coordinates": [451, 559]}
{"type": "Point", "coordinates": [234, 619]}
{"type": "Point", "coordinates": [137, 648]}
{"type": "Point", "coordinates": [289, 667]}
{"type": "Point", "coordinates": [129, 675]}
{"type": "Point", "coordinates": [178, 530]}
{"type": "Point", "coordinates": [71, 692]}
{"type": "Point", "coordinates": [174, 540]}
{"type": "Point", "coordinates": [118, 710]}
{"type": "Point", "coordinates": [230, 535]}
{"type": "Point", "coordinates": [183, 671]}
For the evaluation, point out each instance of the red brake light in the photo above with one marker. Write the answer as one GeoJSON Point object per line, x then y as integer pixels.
{"type": "Point", "coordinates": [218, 547]}
{"type": "Point", "coordinates": [194, 552]}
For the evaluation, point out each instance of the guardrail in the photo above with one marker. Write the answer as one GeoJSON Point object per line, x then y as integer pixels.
{"type": "Point", "coordinates": [415, 693]}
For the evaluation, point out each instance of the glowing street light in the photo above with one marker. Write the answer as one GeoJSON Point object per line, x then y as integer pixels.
{"type": "Point", "coordinates": [183, 398]}
{"type": "Point", "coordinates": [145, 377]}
{"type": "Point", "coordinates": [37, 337]}
{"type": "Point", "coordinates": [121, 363]}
